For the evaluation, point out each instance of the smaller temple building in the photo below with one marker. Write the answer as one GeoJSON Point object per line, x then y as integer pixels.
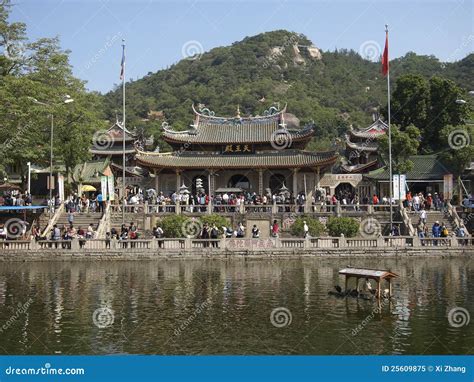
{"type": "Point", "coordinates": [361, 148]}
{"type": "Point", "coordinates": [109, 144]}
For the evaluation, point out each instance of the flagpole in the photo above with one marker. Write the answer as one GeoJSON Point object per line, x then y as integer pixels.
{"type": "Point", "coordinates": [389, 136]}
{"type": "Point", "coordinates": [123, 127]}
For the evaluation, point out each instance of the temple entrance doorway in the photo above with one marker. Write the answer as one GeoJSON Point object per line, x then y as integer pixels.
{"type": "Point", "coordinates": [276, 183]}
{"type": "Point", "coordinates": [345, 190]}
{"type": "Point", "coordinates": [239, 181]}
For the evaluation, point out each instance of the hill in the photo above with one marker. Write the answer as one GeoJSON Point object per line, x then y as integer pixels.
{"type": "Point", "coordinates": [331, 89]}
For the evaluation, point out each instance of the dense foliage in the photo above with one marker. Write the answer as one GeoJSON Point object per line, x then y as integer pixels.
{"type": "Point", "coordinates": [404, 144]}
{"type": "Point", "coordinates": [40, 70]}
{"type": "Point", "coordinates": [316, 228]}
{"type": "Point", "coordinates": [173, 226]}
{"type": "Point", "coordinates": [219, 220]}
{"type": "Point", "coordinates": [183, 226]}
{"type": "Point", "coordinates": [429, 105]}
{"type": "Point", "coordinates": [334, 91]}
{"type": "Point", "coordinates": [337, 226]}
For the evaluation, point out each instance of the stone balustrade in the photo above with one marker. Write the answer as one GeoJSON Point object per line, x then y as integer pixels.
{"type": "Point", "coordinates": [193, 245]}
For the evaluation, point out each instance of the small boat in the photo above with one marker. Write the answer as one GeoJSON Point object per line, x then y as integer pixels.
{"type": "Point", "coordinates": [378, 275]}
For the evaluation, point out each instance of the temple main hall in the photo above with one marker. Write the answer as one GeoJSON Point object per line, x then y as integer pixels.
{"type": "Point", "coordinates": [258, 154]}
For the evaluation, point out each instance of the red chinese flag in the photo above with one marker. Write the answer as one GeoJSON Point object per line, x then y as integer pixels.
{"type": "Point", "coordinates": [385, 57]}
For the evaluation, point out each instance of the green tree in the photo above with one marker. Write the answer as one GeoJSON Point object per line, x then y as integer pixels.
{"type": "Point", "coordinates": [459, 150]}
{"type": "Point", "coordinates": [41, 70]}
{"type": "Point", "coordinates": [337, 226]}
{"type": "Point", "coordinates": [444, 110]}
{"type": "Point", "coordinates": [316, 228]}
{"type": "Point", "coordinates": [216, 219]}
{"type": "Point", "coordinates": [404, 144]}
{"type": "Point", "coordinates": [174, 226]}
{"type": "Point", "coordinates": [411, 100]}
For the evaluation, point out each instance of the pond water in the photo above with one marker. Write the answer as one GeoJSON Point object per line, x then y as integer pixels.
{"type": "Point", "coordinates": [235, 306]}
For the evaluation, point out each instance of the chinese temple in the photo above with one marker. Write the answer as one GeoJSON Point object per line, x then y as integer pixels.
{"type": "Point", "coordinates": [361, 148]}
{"type": "Point", "coordinates": [255, 154]}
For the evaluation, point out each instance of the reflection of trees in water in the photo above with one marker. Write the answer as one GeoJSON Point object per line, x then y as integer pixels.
{"type": "Point", "coordinates": [150, 298]}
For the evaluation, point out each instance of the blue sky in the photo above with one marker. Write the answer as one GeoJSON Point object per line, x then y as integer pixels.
{"type": "Point", "coordinates": [156, 31]}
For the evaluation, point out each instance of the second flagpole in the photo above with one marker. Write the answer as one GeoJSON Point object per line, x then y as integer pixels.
{"type": "Point", "coordinates": [389, 135]}
{"type": "Point", "coordinates": [123, 126]}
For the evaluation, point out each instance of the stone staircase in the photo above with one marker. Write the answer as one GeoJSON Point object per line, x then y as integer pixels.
{"type": "Point", "coordinates": [433, 216]}
{"type": "Point", "coordinates": [81, 220]}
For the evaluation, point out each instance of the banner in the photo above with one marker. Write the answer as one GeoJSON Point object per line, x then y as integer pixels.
{"type": "Point", "coordinates": [61, 187]}
{"type": "Point", "coordinates": [103, 186]}
{"type": "Point", "coordinates": [448, 186]}
{"type": "Point", "coordinates": [111, 187]}
{"type": "Point", "coordinates": [396, 187]}
{"type": "Point", "coordinates": [403, 186]}
{"type": "Point", "coordinates": [399, 186]}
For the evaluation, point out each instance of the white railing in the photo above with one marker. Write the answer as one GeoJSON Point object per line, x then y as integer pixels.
{"type": "Point", "coordinates": [453, 213]}
{"type": "Point", "coordinates": [104, 224]}
{"type": "Point", "coordinates": [53, 220]}
{"type": "Point", "coordinates": [406, 220]}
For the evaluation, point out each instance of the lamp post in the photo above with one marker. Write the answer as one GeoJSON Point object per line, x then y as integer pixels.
{"type": "Point", "coordinates": [66, 99]}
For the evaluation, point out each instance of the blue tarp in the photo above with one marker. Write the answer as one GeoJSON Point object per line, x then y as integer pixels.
{"type": "Point", "coordinates": [21, 208]}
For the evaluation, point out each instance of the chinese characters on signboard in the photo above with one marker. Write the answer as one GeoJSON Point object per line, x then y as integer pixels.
{"type": "Point", "coordinates": [238, 149]}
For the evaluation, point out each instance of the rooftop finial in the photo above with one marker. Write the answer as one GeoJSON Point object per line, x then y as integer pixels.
{"type": "Point", "coordinates": [386, 27]}
{"type": "Point", "coordinates": [238, 111]}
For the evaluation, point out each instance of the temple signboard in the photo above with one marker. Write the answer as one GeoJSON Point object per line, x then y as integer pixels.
{"type": "Point", "coordinates": [238, 149]}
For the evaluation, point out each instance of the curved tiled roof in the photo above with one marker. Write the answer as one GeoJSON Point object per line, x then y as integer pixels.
{"type": "Point", "coordinates": [425, 167]}
{"type": "Point", "coordinates": [220, 130]}
{"type": "Point", "coordinates": [375, 130]}
{"type": "Point", "coordinates": [362, 146]}
{"type": "Point", "coordinates": [358, 167]}
{"type": "Point", "coordinates": [262, 132]}
{"type": "Point", "coordinates": [264, 159]}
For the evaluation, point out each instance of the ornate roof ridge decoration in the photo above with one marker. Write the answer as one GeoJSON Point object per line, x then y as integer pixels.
{"type": "Point", "coordinates": [206, 113]}
{"type": "Point", "coordinates": [377, 122]}
{"type": "Point", "coordinates": [120, 125]}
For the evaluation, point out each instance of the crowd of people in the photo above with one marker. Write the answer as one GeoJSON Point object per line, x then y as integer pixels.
{"type": "Point", "coordinates": [420, 201]}
{"type": "Point", "coordinates": [15, 199]}
{"type": "Point", "coordinates": [85, 204]}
